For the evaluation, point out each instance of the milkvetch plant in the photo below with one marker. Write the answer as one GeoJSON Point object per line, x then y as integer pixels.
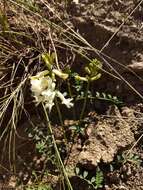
{"type": "Point", "coordinates": [44, 89]}
{"type": "Point", "coordinates": [43, 86]}
{"type": "Point", "coordinates": [92, 71]}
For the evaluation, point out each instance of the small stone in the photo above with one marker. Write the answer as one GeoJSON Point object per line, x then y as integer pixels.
{"type": "Point", "coordinates": [136, 67]}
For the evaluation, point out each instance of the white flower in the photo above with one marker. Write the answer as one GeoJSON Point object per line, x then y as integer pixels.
{"type": "Point", "coordinates": [38, 85]}
{"type": "Point", "coordinates": [65, 101]}
{"type": "Point", "coordinates": [49, 96]}
{"type": "Point", "coordinates": [68, 102]}
{"type": "Point", "coordinates": [43, 88]}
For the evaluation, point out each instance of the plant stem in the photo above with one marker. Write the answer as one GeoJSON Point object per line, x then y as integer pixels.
{"type": "Point", "coordinates": [59, 112]}
{"type": "Point", "coordinates": [85, 101]}
{"type": "Point", "coordinates": [90, 183]}
{"type": "Point", "coordinates": [70, 93]}
{"type": "Point", "coordinates": [56, 149]}
{"type": "Point", "coordinates": [60, 118]}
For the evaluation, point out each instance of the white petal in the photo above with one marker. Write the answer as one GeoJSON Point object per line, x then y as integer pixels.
{"type": "Point", "coordinates": [49, 97]}
{"type": "Point", "coordinates": [36, 86]}
{"type": "Point", "coordinates": [65, 101]}
{"type": "Point", "coordinates": [49, 106]}
{"type": "Point", "coordinates": [60, 95]}
{"type": "Point", "coordinates": [44, 82]}
{"type": "Point", "coordinates": [68, 102]}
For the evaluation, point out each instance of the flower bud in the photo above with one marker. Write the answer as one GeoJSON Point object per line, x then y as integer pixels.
{"type": "Point", "coordinates": [87, 70]}
{"type": "Point", "coordinates": [60, 74]}
{"type": "Point", "coordinates": [77, 77]}
{"type": "Point", "coordinates": [95, 77]}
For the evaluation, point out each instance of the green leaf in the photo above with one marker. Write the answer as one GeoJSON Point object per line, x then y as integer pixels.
{"type": "Point", "coordinates": [115, 98]}
{"type": "Point", "coordinates": [93, 179]}
{"type": "Point", "coordinates": [77, 170]}
{"type": "Point", "coordinates": [99, 178]}
{"type": "Point", "coordinates": [109, 96]}
{"type": "Point", "coordinates": [97, 94]}
{"type": "Point", "coordinates": [85, 174]}
{"type": "Point", "coordinates": [111, 168]}
{"type": "Point", "coordinates": [104, 95]}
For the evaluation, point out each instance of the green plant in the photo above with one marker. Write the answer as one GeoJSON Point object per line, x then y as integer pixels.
{"type": "Point", "coordinates": [44, 88]}
{"type": "Point", "coordinates": [57, 154]}
{"type": "Point", "coordinates": [43, 141]}
{"type": "Point", "coordinates": [93, 181]}
{"type": "Point", "coordinates": [108, 97]}
{"type": "Point", "coordinates": [123, 159]}
{"type": "Point", "coordinates": [131, 158]}
{"type": "Point", "coordinates": [84, 94]}
{"type": "Point", "coordinates": [78, 129]}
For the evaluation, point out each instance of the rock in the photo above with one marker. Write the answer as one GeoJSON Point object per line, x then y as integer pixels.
{"type": "Point", "coordinates": [136, 67]}
{"type": "Point", "coordinates": [105, 141]}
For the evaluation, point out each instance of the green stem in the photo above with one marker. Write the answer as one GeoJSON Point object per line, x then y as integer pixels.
{"type": "Point", "coordinates": [90, 183]}
{"type": "Point", "coordinates": [56, 149]}
{"type": "Point", "coordinates": [85, 101]}
{"type": "Point", "coordinates": [60, 118]}
{"type": "Point", "coordinates": [100, 98]}
{"type": "Point", "coordinates": [59, 112]}
{"type": "Point", "coordinates": [71, 96]}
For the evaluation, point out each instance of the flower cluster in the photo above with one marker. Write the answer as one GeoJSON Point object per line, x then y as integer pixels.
{"type": "Point", "coordinates": [92, 71]}
{"type": "Point", "coordinates": [44, 90]}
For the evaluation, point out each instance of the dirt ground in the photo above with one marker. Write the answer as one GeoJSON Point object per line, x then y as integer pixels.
{"type": "Point", "coordinates": [113, 135]}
